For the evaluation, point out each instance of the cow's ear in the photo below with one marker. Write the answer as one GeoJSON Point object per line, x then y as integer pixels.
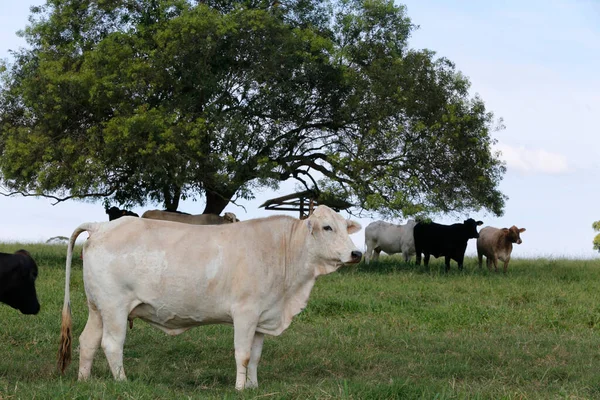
{"type": "Point", "coordinates": [522, 230]}
{"type": "Point", "coordinates": [353, 226]}
{"type": "Point", "coordinates": [505, 230]}
{"type": "Point", "coordinates": [479, 223]}
{"type": "Point", "coordinates": [310, 226]}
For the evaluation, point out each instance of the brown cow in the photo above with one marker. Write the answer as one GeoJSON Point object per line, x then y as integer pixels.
{"type": "Point", "coordinates": [494, 244]}
{"type": "Point", "coordinates": [199, 219]}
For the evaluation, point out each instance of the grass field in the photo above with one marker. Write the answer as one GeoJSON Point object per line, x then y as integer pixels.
{"type": "Point", "coordinates": [387, 330]}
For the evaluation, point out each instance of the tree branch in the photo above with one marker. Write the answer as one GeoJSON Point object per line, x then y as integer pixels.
{"type": "Point", "coordinates": [58, 199]}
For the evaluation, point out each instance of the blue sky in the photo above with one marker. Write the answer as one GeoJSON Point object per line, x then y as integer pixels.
{"type": "Point", "coordinates": [534, 63]}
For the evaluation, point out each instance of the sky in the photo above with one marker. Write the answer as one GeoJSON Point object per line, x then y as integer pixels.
{"type": "Point", "coordinates": [535, 64]}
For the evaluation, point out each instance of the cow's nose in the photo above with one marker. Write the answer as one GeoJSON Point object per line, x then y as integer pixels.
{"type": "Point", "coordinates": [356, 255]}
{"type": "Point", "coordinates": [31, 310]}
{"type": "Point", "coordinates": [519, 241]}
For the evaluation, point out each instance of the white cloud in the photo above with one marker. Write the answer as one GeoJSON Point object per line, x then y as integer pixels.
{"type": "Point", "coordinates": [532, 161]}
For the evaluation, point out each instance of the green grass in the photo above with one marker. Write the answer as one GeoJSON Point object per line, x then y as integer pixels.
{"type": "Point", "coordinates": [387, 330]}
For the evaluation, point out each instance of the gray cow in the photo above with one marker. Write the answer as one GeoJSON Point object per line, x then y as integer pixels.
{"type": "Point", "coordinates": [391, 238]}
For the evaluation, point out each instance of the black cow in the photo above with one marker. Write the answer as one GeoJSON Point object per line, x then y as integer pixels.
{"type": "Point", "coordinates": [444, 240]}
{"type": "Point", "coordinates": [116, 212]}
{"type": "Point", "coordinates": [17, 282]}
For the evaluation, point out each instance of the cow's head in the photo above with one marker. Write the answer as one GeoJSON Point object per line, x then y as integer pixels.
{"type": "Point", "coordinates": [471, 228]}
{"type": "Point", "coordinates": [17, 286]}
{"type": "Point", "coordinates": [230, 217]}
{"type": "Point", "coordinates": [330, 241]}
{"type": "Point", "coordinates": [514, 234]}
{"type": "Point", "coordinates": [114, 213]}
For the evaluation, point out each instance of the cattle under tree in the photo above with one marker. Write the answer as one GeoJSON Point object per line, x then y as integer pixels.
{"type": "Point", "coordinates": [18, 273]}
{"type": "Point", "coordinates": [197, 219]}
{"type": "Point", "coordinates": [255, 275]}
{"type": "Point", "coordinates": [497, 244]}
{"type": "Point", "coordinates": [391, 238]}
{"type": "Point", "coordinates": [450, 241]}
{"type": "Point", "coordinates": [116, 213]}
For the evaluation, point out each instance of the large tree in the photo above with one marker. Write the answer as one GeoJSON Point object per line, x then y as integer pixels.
{"type": "Point", "coordinates": [159, 100]}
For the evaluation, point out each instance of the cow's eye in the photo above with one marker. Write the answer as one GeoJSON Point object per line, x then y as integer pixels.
{"type": "Point", "coordinates": [327, 228]}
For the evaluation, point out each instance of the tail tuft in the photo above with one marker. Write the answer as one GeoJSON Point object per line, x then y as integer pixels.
{"type": "Point", "coordinates": [66, 340]}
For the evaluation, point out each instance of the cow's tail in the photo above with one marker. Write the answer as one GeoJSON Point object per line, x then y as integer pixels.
{"type": "Point", "coordinates": [66, 334]}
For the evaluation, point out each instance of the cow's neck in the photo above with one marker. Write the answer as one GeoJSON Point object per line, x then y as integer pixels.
{"type": "Point", "coordinates": [301, 271]}
{"type": "Point", "coordinates": [505, 240]}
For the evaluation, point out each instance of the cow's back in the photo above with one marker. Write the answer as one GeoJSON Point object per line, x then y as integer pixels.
{"type": "Point", "coordinates": [207, 219]}
{"type": "Point", "coordinates": [438, 239]}
{"type": "Point", "coordinates": [487, 241]}
{"type": "Point", "coordinates": [492, 242]}
{"type": "Point", "coordinates": [165, 215]}
{"type": "Point", "coordinates": [199, 219]}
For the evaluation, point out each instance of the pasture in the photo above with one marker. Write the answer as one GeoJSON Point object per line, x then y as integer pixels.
{"type": "Point", "coordinates": [386, 330]}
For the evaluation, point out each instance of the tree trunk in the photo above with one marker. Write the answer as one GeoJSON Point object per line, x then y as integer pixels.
{"type": "Point", "coordinates": [172, 196]}
{"type": "Point", "coordinates": [216, 202]}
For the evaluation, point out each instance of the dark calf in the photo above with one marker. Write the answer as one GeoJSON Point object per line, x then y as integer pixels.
{"type": "Point", "coordinates": [116, 213]}
{"type": "Point", "coordinates": [450, 241]}
{"type": "Point", "coordinates": [18, 273]}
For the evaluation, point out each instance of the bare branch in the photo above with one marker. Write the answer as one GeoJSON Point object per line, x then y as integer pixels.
{"type": "Point", "coordinates": [58, 199]}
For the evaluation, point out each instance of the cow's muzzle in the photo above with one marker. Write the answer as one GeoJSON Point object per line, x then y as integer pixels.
{"type": "Point", "coordinates": [30, 309]}
{"type": "Point", "coordinates": [355, 257]}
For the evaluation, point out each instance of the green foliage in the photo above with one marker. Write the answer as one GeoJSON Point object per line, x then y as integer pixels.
{"type": "Point", "coordinates": [166, 99]}
{"type": "Point", "coordinates": [596, 227]}
{"type": "Point", "coordinates": [386, 330]}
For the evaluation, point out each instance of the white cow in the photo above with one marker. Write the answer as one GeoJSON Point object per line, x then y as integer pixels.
{"type": "Point", "coordinates": [198, 219]}
{"type": "Point", "coordinates": [255, 274]}
{"type": "Point", "coordinates": [391, 238]}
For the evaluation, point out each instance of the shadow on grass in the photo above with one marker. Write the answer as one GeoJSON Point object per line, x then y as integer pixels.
{"type": "Point", "coordinates": [390, 265]}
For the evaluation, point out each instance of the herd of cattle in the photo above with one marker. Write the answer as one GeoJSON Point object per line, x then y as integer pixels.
{"type": "Point", "coordinates": [256, 275]}
{"type": "Point", "coordinates": [438, 240]}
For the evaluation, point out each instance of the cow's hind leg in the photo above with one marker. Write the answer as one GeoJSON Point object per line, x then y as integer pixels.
{"type": "Point", "coordinates": [460, 259]}
{"type": "Point", "coordinates": [376, 253]}
{"type": "Point", "coordinates": [244, 327]}
{"type": "Point", "coordinates": [252, 372]}
{"type": "Point", "coordinates": [506, 260]}
{"type": "Point", "coordinates": [113, 338]}
{"type": "Point", "coordinates": [89, 341]}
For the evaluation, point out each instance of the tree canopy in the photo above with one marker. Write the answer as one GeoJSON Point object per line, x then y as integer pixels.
{"type": "Point", "coordinates": [160, 100]}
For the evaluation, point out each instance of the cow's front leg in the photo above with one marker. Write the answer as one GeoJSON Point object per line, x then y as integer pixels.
{"type": "Point", "coordinates": [244, 333]}
{"type": "Point", "coordinates": [506, 260]}
{"type": "Point", "coordinates": [252, 372]}
{"type": "Point", "coordinates": [460, 259]}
